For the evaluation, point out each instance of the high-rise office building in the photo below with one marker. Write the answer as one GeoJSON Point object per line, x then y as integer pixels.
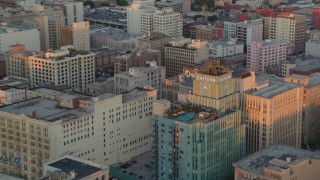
{"type": "Point", "coordinates": [144, 19]}
{"type": "Point", "coordinates": [201, 138]}
{"type": "Point", "coordinates": [266, 53]}
{"type": "Point", "coordinates": [72, 10]}
{"type": "Point", "coordinates": [78, 36]}
{"type": "Point", "coordinates": [184, 53]}
{"type": "Point", "coordinates": [315, 18]}
{"type": "Point", "coordinates": [272, 112]}
{"type": "Point", "coordinates": [286, 27]}
{"type": "Point", "coordinates": [311, 105]}
{"type": "Point", "coordinates": [61, 67]}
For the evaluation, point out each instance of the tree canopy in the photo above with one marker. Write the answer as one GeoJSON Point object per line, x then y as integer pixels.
{"type": "Point", "coordinates": [212, 18]}
{"type": "Point", "coordinates": [122, 2]}
{"type": "Point", "coordinates": [106, 4]}
{"type": "Point", "coordinates": [89, 3]}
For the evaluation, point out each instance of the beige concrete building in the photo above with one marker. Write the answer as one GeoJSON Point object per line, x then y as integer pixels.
{"type": "Point", "coordinates": [313, 34]}
{"type": "Point", "coordinates": [17, 61]}
{"type": "Point", "coordinates": [168, 22]}
{"type": "Point", "coordinates": [311, 105]}
{"type": "Point", "coordinates": [151, 75]}
{"type": "Point", "coordinates": [61, 67]}
{"type": "Point", "coordinates": [135, 59]}
{"type": "Point", "coordinates": [105, 129]}
{"type": "Point", "coordinates": [286, 27]}
{"type": "Point", "coordinates": [279, 162]}
{"type": "Point", "coordinates": [204, 32]}
{"type": "Point", "coordinates": [59, 169]}
{"type": "Point", "coordinates": [184, 53]}
{"type": "Point", "coordinates": [144, 19]}
{"type": "Point", "coordinates": [272, 112]}
{"type": "Point", "coordinates": [285, 68]}
{"type": "Point", "coordinates": [9, 95]}
{"type": "Point", "coordinates": [78, 36]}
{"type": "Point", "coordinates": [174, 87]}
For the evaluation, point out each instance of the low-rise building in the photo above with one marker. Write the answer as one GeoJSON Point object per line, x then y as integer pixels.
{"type": "Point", "coordinates": [140, 167]}
{"type": "Point", "coordinates": [115, 39]}
{"type": "Point", "coordinates": [285, 68]}
{"type": "Point", "coordinates": [70, 167]}
{"type": "Point", "coordinates": [22, 83]}
{"type": "Point", "coordinates": [9, 95]}
{"type": "Point", "coordinates": [107, 16]}
{"type": "Point", "coordinates": [278, 162]}
{"type": "Point", "coordinates": [151, 74]}
{"type": "Point", "coordinates": [3, 71]}
{"type": "Point", "coordinates": [218, 49]}
{"type": "Point", "coordinates": [176, 86]}
{"type": "Point", "coordinates": [157, 41]}
{"type": "Point", "coordinates": [235, 61]}
{"type": "Point", "coordinates": [313, 34]}
{"type": "Point", "coordinates": [306, 69]}
{"type": "Point", "coordinates": [135, 59]}
{"type": "Point", "coordinates": [312, 48]}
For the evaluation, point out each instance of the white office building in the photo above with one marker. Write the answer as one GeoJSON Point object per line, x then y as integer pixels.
{"type": "Point", "coordinates": [144, 19]}
{"type": "Point", "coordinates": [218, 49]}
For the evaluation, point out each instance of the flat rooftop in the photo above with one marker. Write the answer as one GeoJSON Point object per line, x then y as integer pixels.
{"type": "Point", "coordinates": [305, 68]}
{"type": "Point", "coordinates": [188, 113]}
{"type": "Point", "coordinates": [47, 91]}
{"type": "Point", "coordinates": [12, 29]}
{"type": "Point", "coordinates": [272, 90]}
{"type": "Point", "coordinates": [81, 169]}
{"type": "Point", "coordinates": [234, 57]}
{"type": "Point", "coordinates": [113, 33]}
{"type": "Point", "coordinates": [11, 81]}
{"type": "Point", "coordinates": [140, 167]}
{"type": "Point", "coordinates": [278, 158]}
{"type": "Point", "coordinates": [137, 93]}
{"type": "Point", "coordinates": [44, 109]}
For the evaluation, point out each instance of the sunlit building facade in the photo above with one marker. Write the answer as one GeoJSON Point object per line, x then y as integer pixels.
{"type": "Point", "coordinates": [272, 113]}
{"type": "Point", "coordinates": [200, 139]}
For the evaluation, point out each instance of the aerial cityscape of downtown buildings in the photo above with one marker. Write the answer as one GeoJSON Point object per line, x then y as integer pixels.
{"type": "Point", "coordinates": [159, 90]}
